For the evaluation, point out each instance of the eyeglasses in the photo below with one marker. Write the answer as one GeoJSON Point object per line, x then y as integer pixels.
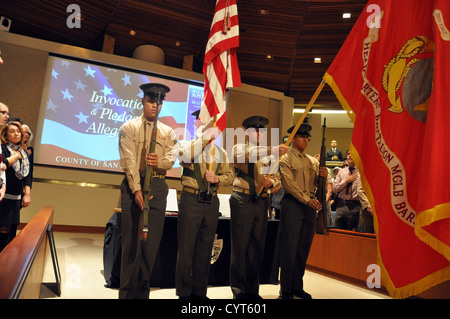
{"type": "Point", "coordinates": [5, 113]}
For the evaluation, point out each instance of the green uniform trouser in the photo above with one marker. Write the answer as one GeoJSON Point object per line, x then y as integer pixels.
{"type": "Point", "coordinates": [196, 229]}
{"type": "Point", "coordinates": [138, 257]}
{"type": "Point", "coordinates": [248, 237]}
{"type": "Point", "coordinates": [298, 226]}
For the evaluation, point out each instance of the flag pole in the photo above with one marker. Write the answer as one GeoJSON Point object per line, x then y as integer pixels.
{"type": "Point", "coordinates": [212, 143]}
{"type": "Point", "coordinates": [297, 126]}
{"type": "Point", "coordinates": [212, 152]}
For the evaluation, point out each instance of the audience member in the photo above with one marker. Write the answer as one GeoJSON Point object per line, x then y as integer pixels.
{"type": "Point", "coordinates": [334, 198]}
{"type": "Point", "coordinates": [346, 186]}
{"type": "Point", "coordinates": [344, 163]}
{"type": "Point", "coordinates": [334, 154]}
{"type": "Point", "coordinates": [277, 196]}
{"type": "Point", "coordinates": [329, 196]}
{"type": "Point", "coordinates": [18, 180]}
{"type": "Point", "coordinates": [28, 137]}
{"type": "Point", "coordinates": [4, 114]}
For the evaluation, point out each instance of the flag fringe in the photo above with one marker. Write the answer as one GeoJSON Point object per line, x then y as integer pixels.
{"type": "Point", "coordinates": [427, 217]}
{"type": "Point", "coordinates": [420, 285]}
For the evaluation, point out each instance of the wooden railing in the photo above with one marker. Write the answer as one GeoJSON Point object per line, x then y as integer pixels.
{"type": "Point", "coordinates": [22, 262]}
{"type": "Point", "coordinates": [344, 253]}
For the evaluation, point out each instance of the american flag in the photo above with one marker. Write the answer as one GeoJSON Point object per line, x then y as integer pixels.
{"type": "Point", "coordinates": [220, 65]}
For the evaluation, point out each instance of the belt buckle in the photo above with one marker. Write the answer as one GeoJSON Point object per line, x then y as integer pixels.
{"type": "Point", "coordinates": [204, 197]}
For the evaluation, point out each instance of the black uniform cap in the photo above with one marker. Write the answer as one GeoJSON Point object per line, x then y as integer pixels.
{"type": "Point", "coordinates": [304, 129]}
{"type": "Point", "coordinates": [255, 122]}
{"type": "Point", "coordinates": [152, 90]}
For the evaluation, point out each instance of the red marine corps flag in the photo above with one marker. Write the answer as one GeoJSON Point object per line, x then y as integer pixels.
{"type": "Point", "coordinates": [220, 65]}
{"type": "Point", "coordinates": [392, 75]}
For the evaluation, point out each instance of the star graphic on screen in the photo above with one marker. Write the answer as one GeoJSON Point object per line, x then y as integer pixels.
{"type": "Point", "coordinates": [89, 71]}
{"type": "Point", "coordinates": [97, 106]}
{"type": "Point", "coordinates": [55, 74]}
{"type": "Point", "coordinates": [51, 105]}
{"type": "Point", "coordinates": [67, 95]}
{"type": "Point", "coordinates": [126, 80]}
{"type": "Point", "coordinates": [65, 63]}
{"type": "Point", "coordinates": [106, 90]}
{"type": "Point", "coordinates": [80, 85]}
{"type": "Point", "coordinates": [82, 118]}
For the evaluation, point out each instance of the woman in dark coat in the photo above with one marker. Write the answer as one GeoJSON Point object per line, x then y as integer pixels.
{"type": "Point", "coordinates": [18, 180]}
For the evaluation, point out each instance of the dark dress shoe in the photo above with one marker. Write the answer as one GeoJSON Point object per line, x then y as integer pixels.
{"type": "Point", "coordinates": [284, 295]}
{"type": "Point", "coordinates": [302, 294]}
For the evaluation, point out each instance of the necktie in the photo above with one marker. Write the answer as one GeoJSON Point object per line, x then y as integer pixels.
{"type": "Point", "coordinates": [349, 185]}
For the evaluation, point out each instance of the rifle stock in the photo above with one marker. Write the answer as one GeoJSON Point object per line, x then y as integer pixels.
{"type": "Point", "coordinates": [148, 176]}
{"type": "Point", "coordinates": [321, 192]}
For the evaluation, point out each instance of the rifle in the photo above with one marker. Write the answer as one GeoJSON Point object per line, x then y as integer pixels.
{"type": "Point", "coordinates": [297, 126]}
{"type": "Point", "coordinates": [148, 176]}
{"type": "Point", "coordinates": [321, 192]}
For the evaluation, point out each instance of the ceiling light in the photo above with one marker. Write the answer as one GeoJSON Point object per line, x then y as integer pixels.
{"type": "Point", "coordinates": [317, 60]}
{"type": "Point", "coordinates": [269, 57]}
{"type": "Point", "coordinates": [132, 32]}
{"type": "Point", "coordinates": [347, 15]}
{"type": "Point", "coordinates": [263, 12]}
{"type": "Point", "coordinates": [178, 44]}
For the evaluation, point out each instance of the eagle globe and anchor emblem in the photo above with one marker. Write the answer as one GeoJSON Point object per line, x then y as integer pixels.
{"type": "Point", "coordinates": [411, 73]}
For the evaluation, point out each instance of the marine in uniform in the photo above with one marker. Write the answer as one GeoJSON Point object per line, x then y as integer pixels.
{"type": "Point", "coordinates": [138, 256]}
{"type": "Point", "coordinates": [249, 211]}
{"type": "Point", "coordinates": [198, 213]}
{"type": "Point", "coordinates": [298, 216]}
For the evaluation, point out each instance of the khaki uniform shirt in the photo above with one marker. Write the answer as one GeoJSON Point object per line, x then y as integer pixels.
{"type": "Point", "coordinates": [199, 150]}
{"type": "Point", "coordinates": [298, 174]}
{"type": "Point", "coordinates": [244, 154]}
{"type": "Point", "coordinates": [134, 144]}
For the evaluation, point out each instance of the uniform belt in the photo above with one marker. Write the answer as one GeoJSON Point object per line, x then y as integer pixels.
{"type": "Point", "coordinates": [158, 175]}
{"type": "Point", "coordinates": [196, 191]}
{"type": "Point", "coordinates": [246, 191]}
